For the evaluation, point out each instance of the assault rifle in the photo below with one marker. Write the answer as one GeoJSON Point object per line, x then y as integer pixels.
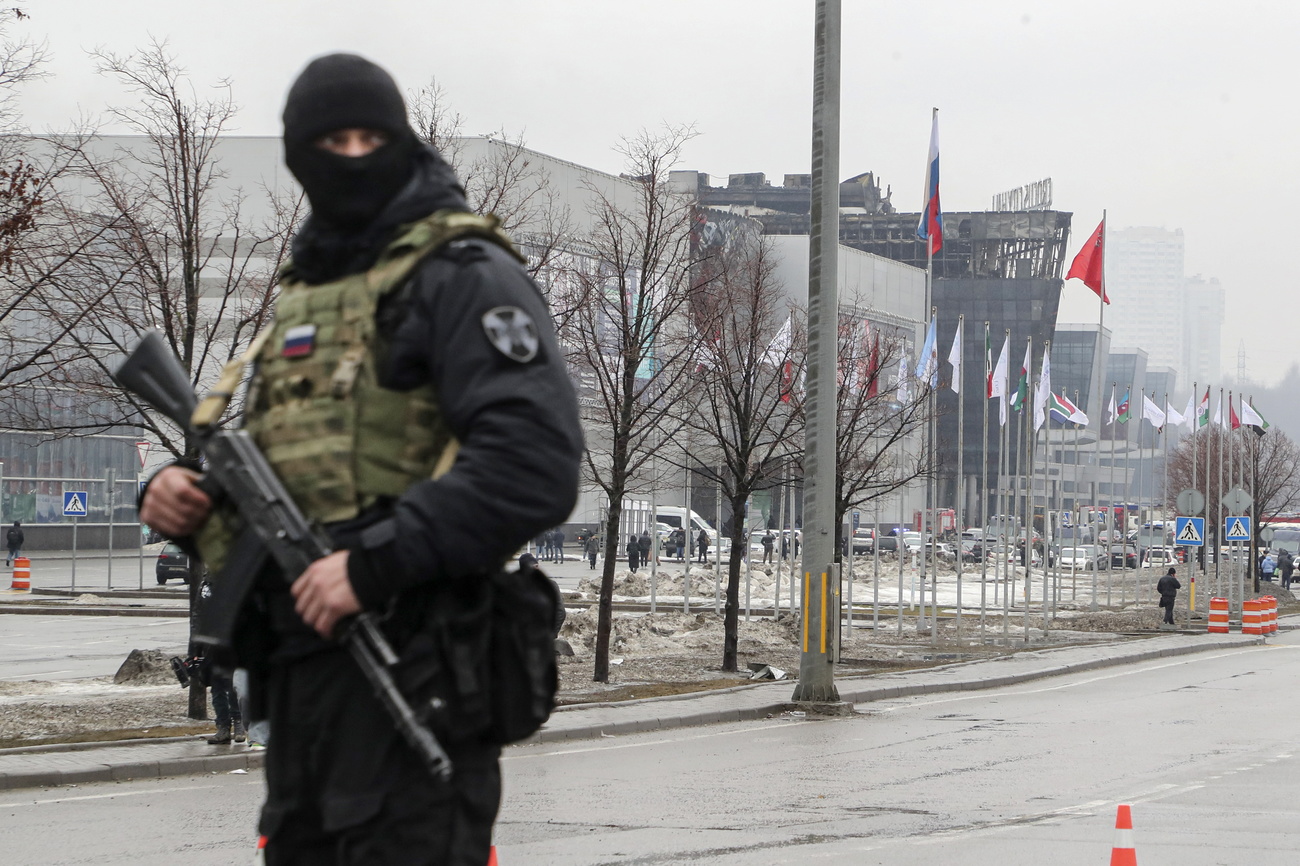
{"type": "Point", "coordinates": [273, 527]}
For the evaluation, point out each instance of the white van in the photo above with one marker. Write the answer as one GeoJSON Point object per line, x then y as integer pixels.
{"type": "Point", "coordinates": [675, 515]}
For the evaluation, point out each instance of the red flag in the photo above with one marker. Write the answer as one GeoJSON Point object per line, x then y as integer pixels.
{"type": "Point", "coordinates": [1087, 265]}
{"type": "Point", "coordinates": [1232, 413]}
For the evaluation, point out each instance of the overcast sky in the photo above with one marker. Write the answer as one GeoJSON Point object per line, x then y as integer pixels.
{"type": "Point", "coordinates": [1167, 113]}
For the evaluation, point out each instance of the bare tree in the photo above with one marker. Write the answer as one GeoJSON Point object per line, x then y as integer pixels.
{"type": "Point", "coordinates": [1267, 466]}
{"type": "Point", "coordinates": [630, 341]}
{"type": "Point", "coordinates": [747, 406]}
{"type": "Point", "coordinates": [508, 181]}
{"type": "Point", "coordinates": [877, 415]}
{"type": "Point", "coordinates": [167, 234]}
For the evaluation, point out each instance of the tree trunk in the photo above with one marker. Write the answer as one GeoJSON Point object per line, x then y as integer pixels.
{"type": "Point", "coordinates": [605, 608]}
{"type": "Point", "coordinates": [730, 622]}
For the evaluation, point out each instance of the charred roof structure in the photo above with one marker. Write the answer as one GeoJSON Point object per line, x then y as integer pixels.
{"type": "Point", "coordinates": [1000, 267]}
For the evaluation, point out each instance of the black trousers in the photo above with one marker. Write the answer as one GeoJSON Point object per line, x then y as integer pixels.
{"type": "Point", "coordinates": [344, 789]}
{"type": "Point", "coordinates": [1169, 614]}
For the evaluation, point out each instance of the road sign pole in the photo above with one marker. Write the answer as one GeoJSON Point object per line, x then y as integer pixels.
{"type": "Point", "coordinates": [74, 555]}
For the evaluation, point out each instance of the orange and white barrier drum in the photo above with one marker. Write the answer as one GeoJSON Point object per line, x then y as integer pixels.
{"type": "Point", "coordinates": [1218, 616]}
{"type": "Point", "coordinates": [22, 573]}
{"type": "Point", "coordinates": [1250, 623]}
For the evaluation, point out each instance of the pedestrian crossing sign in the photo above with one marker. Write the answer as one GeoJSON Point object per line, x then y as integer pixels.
{"type": "Point", "coordinates": [1236, 529]}
{"type": "Point", "coordinates": [74, 503]}
{"type": "Point", "coordinates": [1189, 531]}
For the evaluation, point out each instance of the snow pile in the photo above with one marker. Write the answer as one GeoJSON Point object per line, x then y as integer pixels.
{"type": "Point", "coordinates": [664, 634]}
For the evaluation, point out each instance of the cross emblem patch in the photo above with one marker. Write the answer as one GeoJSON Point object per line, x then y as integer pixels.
{"type": "Point", "coordinates": [512, 332]}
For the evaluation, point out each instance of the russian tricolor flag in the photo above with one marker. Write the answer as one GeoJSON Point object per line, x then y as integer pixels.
{"type": "Point", "coordinates": [930, 228]}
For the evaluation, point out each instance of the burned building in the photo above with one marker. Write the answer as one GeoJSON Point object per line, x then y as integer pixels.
{"type": "Point", "coordinates": [1000, 267]}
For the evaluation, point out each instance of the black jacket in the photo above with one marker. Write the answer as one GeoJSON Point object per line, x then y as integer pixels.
{"type": "Point", "coordinates": [516, 473]}
{"type": "Point", "coordinates": [1168, 587]}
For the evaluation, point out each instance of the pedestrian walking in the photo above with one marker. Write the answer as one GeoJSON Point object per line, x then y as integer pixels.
{"type": "Point", "coordinates": [1286, 565]}
{"type": "Point", "coordinates": [1267, 566]}
{"type": "Point", "coordinates": [14, 539]}
{"type": "Point", "coordinates": [633, 552]}
{"type": "Point", "coordinates": [1168, 587]}
{"type": "Point", "coordinates": [645, 545]}
{"type": "Point", "coordinates": [702, 546]}
{"type": "Point", "coordinates": [593, 548]}
{"type": "Point", "coordinates": [769, 544]}
{"type": "Point", "coordinates": [401, 305]}
{"type": "Point", "coordinates": [559, 545]}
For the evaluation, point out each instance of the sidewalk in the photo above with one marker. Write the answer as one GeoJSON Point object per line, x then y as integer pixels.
{"type": "Point", "coordinates": [44, 766]}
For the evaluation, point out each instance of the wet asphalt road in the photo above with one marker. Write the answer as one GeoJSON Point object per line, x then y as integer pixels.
{"type": "Point", "coordinates": [1200, 746]}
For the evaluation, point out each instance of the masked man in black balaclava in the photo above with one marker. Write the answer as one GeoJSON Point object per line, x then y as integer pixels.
{"type": "Point", "coordinates": [412, 398]}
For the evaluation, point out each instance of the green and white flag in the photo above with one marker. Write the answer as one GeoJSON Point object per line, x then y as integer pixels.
{"type": "Point", "coordinates": [1203, 412]}
{"type": "Point", "coordinates": [1252, 419]}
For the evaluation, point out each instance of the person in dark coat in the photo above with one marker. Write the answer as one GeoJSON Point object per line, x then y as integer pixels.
{"type": "Point", "coordinates": [1286, 565]}
{"type": "Point", "coordinates": [463, 345]}
{"type": "Point", "coordinates": [702, 546]}
{"type": "Point", "coordinates": [633, 553]}
{"type": "Point", "coordinates": [593, 548]}
{"type": "Point", "coordinates": [1168, 588]}
{"type": "Point", "coordinates": [14, 539]}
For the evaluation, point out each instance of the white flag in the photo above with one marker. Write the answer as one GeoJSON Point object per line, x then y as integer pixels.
{"type": "Point", "coordinates": [1152, 412]}
{"type": "Point", "coordinates": [903, 393]}
{"type": "Point", "coordinates": [1044, 392]}
{"type": "Point", "coordinates": [1111, 408]}
{"type": "Point", "coordinates": [1218, 414]}
{"type": "Point", "coordinates": [1171, 414]}
{"type": "Point", "coordinates": [778, 350]}
{"type": "Point", "coordinates": [1189, 414]}
{"type": "Point", "coordinates": [954, 358]}
{"type": "Point", "coordinates": [999, 387]}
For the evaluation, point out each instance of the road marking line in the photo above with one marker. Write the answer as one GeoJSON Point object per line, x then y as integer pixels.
{"type": "Point", "coordinates": [118, 793]}
{"type": "Point", "coordinates": [982, 694]}
{"type": "Point", "coordinates": [613, 746]}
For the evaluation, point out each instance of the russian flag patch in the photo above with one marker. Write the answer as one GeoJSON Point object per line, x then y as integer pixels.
{"type": "Point", "coordinates": [299, 341]}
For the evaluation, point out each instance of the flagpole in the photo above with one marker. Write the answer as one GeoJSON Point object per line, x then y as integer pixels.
{"type": "Point", "coordinates": [1205, 562]}
{"type": "Point", "coordinates": [927, 507]}
{"type": "Point", "coordinates": [1078, 428]}
{"type": "Point", "coordinates": [958, 511]}
{"type": "Point", "coordinates": [1141, 500]}
{"type": "Point", "coordinates": [1110, 503]}
{"type": "Point", "coordinates": [1004, 469]}
{"type": "Point", "coordinates": [984, 488]}
{"type": "Point", "coordinates": [1047, 459]}
{"type": "Point", "coordinates": [1026, 478]}
{"type": "Point", "coordinates": [1164, 484]}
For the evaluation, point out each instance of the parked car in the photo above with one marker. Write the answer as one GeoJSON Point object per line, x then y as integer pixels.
{"type": "Point", "coordinates": [1085, 557]}
{"type": "Point", "coordinates": [863, 542]}
{"type": "Point", "coordinates": [888, 544]}
{"type": "Point", "coordinates": [941, 550]}
{"type": "Point", "coordinates": [1160, 557]}
{"type": "Point", "coordinates": [172, 562]}
{"type": "Point", "coordinates": [1123, 556]}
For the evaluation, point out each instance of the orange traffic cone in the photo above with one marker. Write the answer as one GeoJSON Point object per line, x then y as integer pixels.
{"type": "Point", "coordinates": [492, 856]}
{"type": "Point", "coordinates": [1123, 854]}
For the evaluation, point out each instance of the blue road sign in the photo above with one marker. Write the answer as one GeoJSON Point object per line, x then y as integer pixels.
{"type": "Point", "coordinates": [1189, 531]}
{"type": "Point", "coordinates": [857, 519]}
{"type": "Point", "coordinates": [74, 503]}
{"type": "Point", "coordinates": [1236, 528]}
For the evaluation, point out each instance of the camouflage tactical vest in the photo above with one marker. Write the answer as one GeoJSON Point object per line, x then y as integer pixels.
{"type": "Point", "coordinates": [336, 438]}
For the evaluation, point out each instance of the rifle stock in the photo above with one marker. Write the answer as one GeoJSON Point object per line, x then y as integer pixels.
{"type": "Point", "coordinates": [273, 524]}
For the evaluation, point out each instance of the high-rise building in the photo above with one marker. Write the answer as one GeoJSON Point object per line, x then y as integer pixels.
{"type": "Point", "coordinates": [1203, 310]}
{"type": "Point", "coordinates": [1144, 279]}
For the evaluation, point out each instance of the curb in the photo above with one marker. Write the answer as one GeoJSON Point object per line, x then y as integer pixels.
{"type": "Point", "coordinates": [669, 720]}
{"type": "Point", "coordinates": [131, 770]}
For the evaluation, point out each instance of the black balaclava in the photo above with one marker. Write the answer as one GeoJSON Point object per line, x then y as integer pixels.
{"type": "Point", "coordinates": [341, 91]}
